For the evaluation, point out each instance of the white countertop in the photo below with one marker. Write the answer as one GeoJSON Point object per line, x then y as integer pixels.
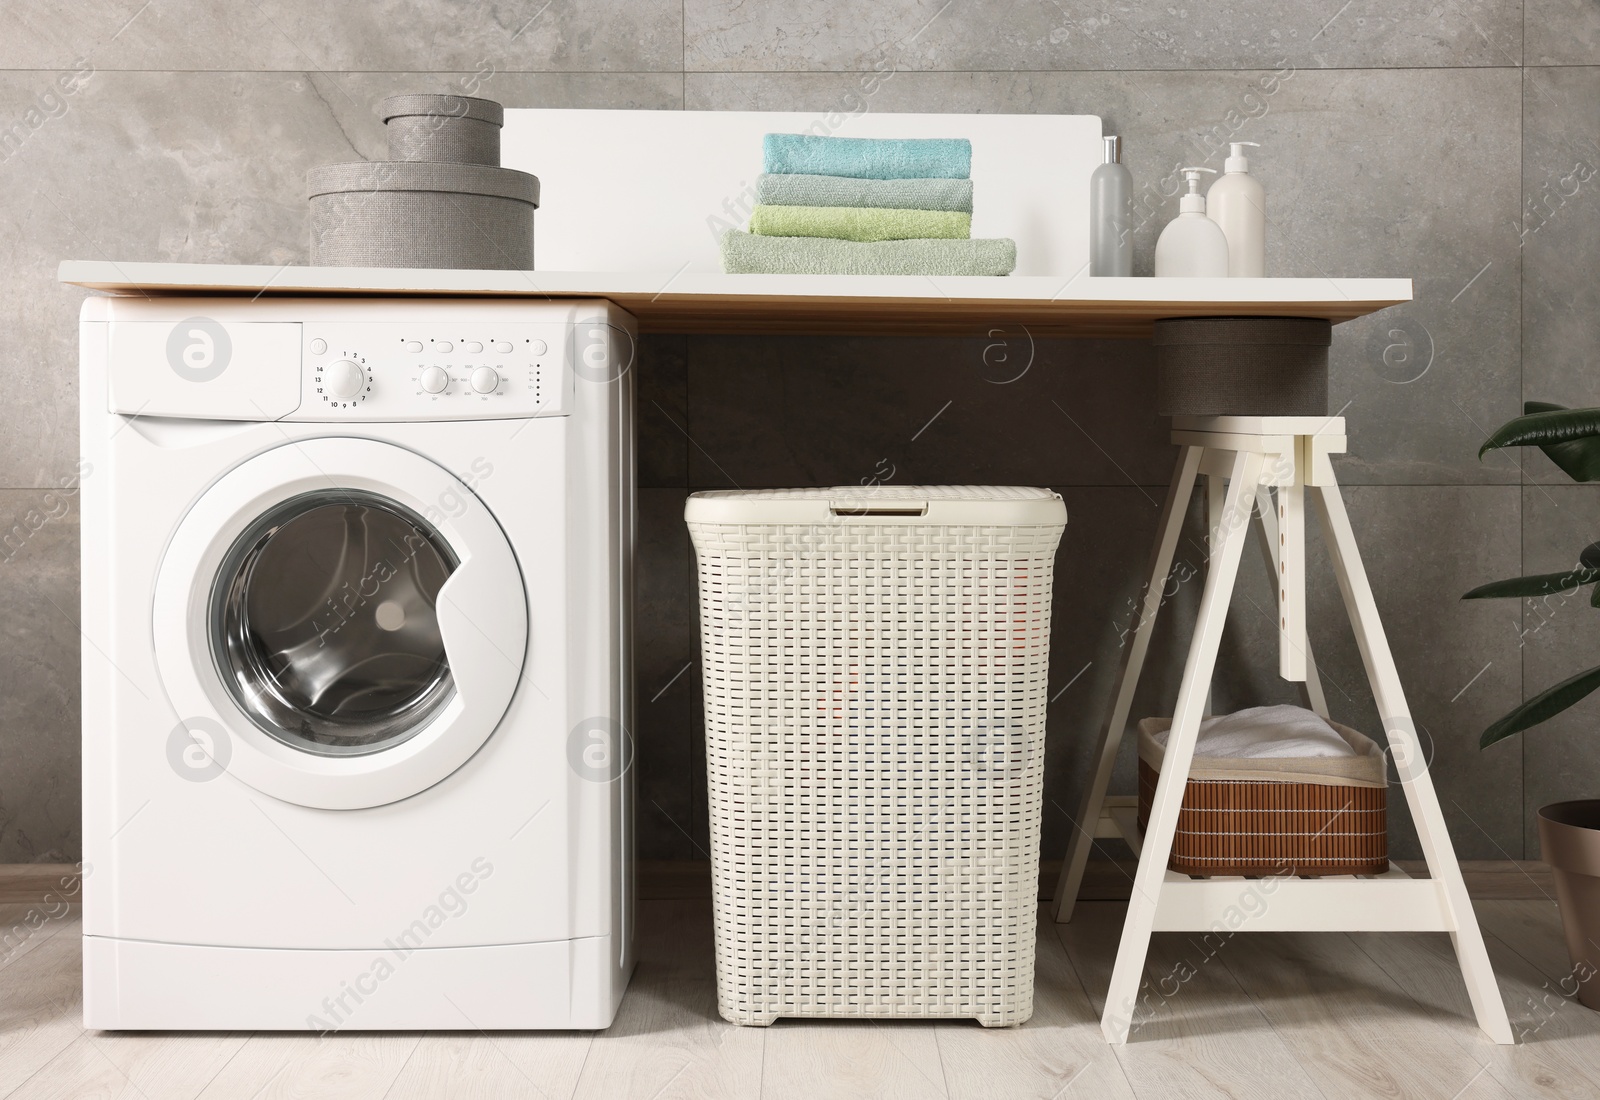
{"type": "Point", "coordinates": [690, 302]}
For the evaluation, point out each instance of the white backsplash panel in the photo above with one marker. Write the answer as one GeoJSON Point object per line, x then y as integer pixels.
{"type": "Point", "coordinates": [655, 190]}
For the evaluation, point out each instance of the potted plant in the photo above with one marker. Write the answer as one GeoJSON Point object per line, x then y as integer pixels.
{"type": "Point", "coordinates": [1569, 832]}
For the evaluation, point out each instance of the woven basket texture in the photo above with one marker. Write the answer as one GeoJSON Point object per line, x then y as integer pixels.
{"type": "Point", "coordinates": [1244, 827]}
{"type": "Point", "coordinates": [875, 715]}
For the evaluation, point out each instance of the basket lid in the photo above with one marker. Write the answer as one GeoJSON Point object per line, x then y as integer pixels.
{"type": "Point", "coordinates": [448, 106]}
{"type": "Point", "coordinates": [421, 175]}
{"type": "Point", "coordinates": [976, 505]}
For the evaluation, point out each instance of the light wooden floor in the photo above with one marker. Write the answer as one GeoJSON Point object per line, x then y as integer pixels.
{"type": "Point", "coordinates": [1268, 1015]}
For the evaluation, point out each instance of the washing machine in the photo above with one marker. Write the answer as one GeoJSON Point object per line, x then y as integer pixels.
{"type": "Point", "coordinates": [356, 620]}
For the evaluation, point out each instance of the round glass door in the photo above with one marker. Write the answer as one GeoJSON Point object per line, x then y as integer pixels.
{"type": "Point", "coordinates": [324, 626]}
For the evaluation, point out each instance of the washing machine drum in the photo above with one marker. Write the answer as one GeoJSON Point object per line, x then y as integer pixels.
{"type": "Point", "coordinates": [330, 642]}
{"type": "Point", "coordinates": [324, 622]}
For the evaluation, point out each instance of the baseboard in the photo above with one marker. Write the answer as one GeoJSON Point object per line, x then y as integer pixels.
{"type": "Point", "coordinates": [681, 879]}
{"type": "Point", "coordinates": [33, 883]}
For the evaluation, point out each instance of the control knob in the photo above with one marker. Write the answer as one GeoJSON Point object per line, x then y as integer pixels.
{"type": "Point", "coordinates": [434, 380]}
{"type": "Point", "coordinates": [485, 380]}
{"type": "Point", "coordinates": [343, 379]}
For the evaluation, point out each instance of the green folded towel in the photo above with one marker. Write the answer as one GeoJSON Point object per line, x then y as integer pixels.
{"type": "Point", "coordinates": [751, 254]}
{"type": "Point", "coordinates": [929, 194]}
{"type": "Point", "coordinates": [854, 223]}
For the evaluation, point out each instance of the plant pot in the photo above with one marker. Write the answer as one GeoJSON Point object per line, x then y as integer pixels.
{"type": "Point", "coordinates": [1569, 838]}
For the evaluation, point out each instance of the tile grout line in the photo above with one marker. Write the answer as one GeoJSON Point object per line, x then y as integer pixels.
{"type": "Point", "coordinates": [1522, 392]}
{"type": "Point", "coordinates": [686, 72]}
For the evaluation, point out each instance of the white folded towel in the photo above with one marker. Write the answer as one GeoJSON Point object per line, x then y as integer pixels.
{"type": "Point", "coordinates": [1263, 732]}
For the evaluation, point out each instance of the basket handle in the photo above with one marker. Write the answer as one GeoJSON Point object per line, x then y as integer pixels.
{"type": "Point", "coordinates": [878, 507]}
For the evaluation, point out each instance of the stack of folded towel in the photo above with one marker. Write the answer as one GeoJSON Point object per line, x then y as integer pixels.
{"type": "Point", "coordinates": [864, 206]}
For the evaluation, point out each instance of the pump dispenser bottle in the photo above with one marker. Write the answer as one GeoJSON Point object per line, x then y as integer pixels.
{"type": "Point", "coordinates": [1110, 195]}
{"type": "Point", "coordinates": [1192, 245]}
{"type": "Point", "coordinates": [1238, 204]}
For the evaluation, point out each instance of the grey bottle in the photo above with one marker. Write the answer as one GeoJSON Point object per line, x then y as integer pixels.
{"type": "Point", "coordinates": [1110, 228]}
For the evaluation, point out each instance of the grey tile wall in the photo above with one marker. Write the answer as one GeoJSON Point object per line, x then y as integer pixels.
{"type": "Point", "coordinates": [1560, 637]}
{"type": "Point", "coordinates": [1560, 240]}
{"type": "Point", "coordinates": [39, 803]}
{"type": "Point", "coordinates": [1456, 143]}
{"type": "Point", "coordinates": [1561, 32]}
{"type": "Point", "coordinates": [1013, 34]}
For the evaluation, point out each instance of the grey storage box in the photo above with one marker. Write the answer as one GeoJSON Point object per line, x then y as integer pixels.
{"type": "Point", "coordinates": [453, 129]}
{"type": "Point", "coordinates": [420, 214]}
{"type": "Point", "coordinates": [1243, 366]}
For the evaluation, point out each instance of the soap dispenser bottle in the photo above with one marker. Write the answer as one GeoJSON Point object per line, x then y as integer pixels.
{"type": "Point", "coordinates": [1110, 196]}
{"type": "Point", "coordinates": [1238, 204]}
{"type": "Point", "coordinates": [1192, 245]}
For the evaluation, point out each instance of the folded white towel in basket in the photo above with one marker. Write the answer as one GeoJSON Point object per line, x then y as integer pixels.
{"type": "Point", "coordinates": [1267, 732]}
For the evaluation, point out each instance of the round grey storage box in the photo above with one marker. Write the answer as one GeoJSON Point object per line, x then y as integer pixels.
{"type": "Point", "coordinates": [419, 214]}
{"type": "Point", "coordinates": [453, 129]}
{"type": "Point", "coordinates": [1243, 366]}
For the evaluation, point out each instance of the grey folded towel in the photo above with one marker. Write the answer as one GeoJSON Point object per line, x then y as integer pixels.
{"type": "Point", "coordinates": [926, 194]}
{"type": "Point", "coordinates": [750, 254]}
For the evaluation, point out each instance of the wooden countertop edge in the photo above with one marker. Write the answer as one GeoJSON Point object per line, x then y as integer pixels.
{"type": "Point", "coordinates": [792, 304]}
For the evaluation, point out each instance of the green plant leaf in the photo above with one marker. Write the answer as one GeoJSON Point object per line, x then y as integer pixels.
{"type": "Point", "coordinates": [1547, 704]}
{"type": "Point", "coordinates": [1541, 584]}
{"type": "Point", "coordinates": [1570, 437]}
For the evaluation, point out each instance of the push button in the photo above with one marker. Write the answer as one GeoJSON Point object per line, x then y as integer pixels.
{"type": "Point", "coordinates": [471, 347]}
{"type": "Point", "coordinates": [413, 346]}
{"type": "Point", "coordinates": [444, 347]}
{"type": "Point", "coordinates": [502, 347]}
{"type": "Point", "coordinates": [319, 346]}
{"type": "Point", "coordinates": [538, 347]}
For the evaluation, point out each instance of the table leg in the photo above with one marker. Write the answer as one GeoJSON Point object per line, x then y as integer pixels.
{"type": "Point", "coordinates": [1409, 762]}
{"type": "Point", "coordinates": [1223, 569]}
{"type": "Point", "coordinates": [1134, 648]}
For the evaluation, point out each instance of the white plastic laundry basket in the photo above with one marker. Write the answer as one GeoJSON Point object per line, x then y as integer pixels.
{"type": "Point", "coordinates": [875, 665]}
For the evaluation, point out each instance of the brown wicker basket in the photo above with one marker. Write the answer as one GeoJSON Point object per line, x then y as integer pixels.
{"type": "Point", "coordinates": [1232, 824]}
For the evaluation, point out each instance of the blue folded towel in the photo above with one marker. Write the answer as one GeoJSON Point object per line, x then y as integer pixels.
{"type": "Point", "coordinates": [868, 158]}
{"type": "Point", "coordinates": [919, 194]}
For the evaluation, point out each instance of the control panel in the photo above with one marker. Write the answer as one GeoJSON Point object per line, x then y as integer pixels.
{"type": "Point", "coordinates": [391, 372]}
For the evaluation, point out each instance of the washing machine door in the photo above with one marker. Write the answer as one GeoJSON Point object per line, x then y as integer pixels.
{"type": "Point", "coordinates": [340, 623]}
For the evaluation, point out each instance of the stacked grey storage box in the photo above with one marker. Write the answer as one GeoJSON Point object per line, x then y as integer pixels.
{"type": "Point", "coordinates": [440, 200]}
